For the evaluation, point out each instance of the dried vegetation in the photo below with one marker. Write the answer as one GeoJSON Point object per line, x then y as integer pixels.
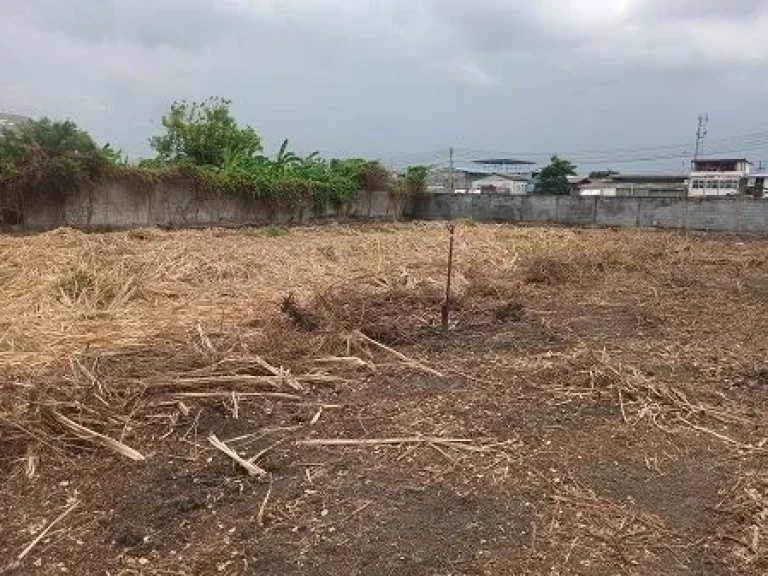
{"type": "Point", "coordinates": [299, 386]}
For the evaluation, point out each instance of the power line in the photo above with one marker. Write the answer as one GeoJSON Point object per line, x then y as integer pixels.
{"type": "Point", "coordinates": [669, 150]}
{"type": "Point", "coordinates": [605, 157]}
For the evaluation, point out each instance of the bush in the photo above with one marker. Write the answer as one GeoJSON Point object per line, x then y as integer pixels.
{"type": "Point", "coordinates": [44, 156]}
{"type": "Point", "coordinates": [202, 147]}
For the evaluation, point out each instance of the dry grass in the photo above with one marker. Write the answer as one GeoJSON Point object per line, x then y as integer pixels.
{"type": "Point", "coordinates": [114, 345]}
{"type": "Point", "coordinates": [70, 297]}
{"type": "Point", "coordinates": [598, 526]}
{"type": "Point", "coordinates": [66, 291]}
{"type": "Point", "coordinates": [746, 507]}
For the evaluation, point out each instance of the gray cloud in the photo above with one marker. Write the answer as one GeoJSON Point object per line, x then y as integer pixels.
{"type": "Point", "coordinates": [184, 24]}
{"type": "Point", "coordinates": [688, 10]}
{"type": "Point", "coordinates": [397, 78]}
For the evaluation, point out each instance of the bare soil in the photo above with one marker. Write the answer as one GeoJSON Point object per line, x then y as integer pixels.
{"type": "Point", "coordinates": [598, 405]}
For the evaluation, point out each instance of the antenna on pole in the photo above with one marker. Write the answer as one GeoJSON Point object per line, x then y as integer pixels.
{"type": "Point", "coordinates": [701, 134]}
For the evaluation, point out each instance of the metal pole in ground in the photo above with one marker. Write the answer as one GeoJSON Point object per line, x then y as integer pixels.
{"type": "Point", "coordinates": [446, 309]}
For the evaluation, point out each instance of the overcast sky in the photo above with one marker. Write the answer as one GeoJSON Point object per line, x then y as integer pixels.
{"type": "Point", "coordinates": [403, 79]}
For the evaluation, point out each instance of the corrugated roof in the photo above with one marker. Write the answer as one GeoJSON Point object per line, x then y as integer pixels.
{"type": "Point", "coordinates": [505, 162]}
{"type": "Point", "coordinates": [477, 169]}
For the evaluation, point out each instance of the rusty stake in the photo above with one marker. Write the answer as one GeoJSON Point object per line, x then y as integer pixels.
{"type": "Point", "coordinates": [446, 309]}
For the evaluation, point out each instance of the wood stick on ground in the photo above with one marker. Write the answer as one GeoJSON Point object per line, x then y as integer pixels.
{"type": "Point", "coordinates": [91, 435]}
{"type": "Point", "coordinates": [353, 361]}
{"type": "Point", "coordinates": [461, 443]}
{"type": "Point", "coordinates": [263, 507]}
{"type": "Point", "coordinates": [282, 373]}
{"type": "Point", "coordinates": [273, 381]}
{"type": "Point", "coordinates": [47, 529]}
{"type": "Point", "coordinates": [276, 395]}
{"type": "Point", "coordinates": [399, 355]}
{"type": "Point", "coordinates": [249, 467]}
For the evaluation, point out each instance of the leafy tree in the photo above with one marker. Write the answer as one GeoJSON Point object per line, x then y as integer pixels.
{"type": "Point", "coordinates": [416, 178]}
{"type": "Point", "coordinates": [47, 136]}
{"type": "Point", "coordinates": [204, 134]}
{"type": "Point", "coordinates": [45, 155]}
{"type": "Point", "coordinates": [554, 177]}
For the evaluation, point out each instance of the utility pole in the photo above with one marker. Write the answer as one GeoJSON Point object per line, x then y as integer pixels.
{"type": "Point", "coordinates": [701, 134]}
{"type": "Point", "coordinates": [450, 161]}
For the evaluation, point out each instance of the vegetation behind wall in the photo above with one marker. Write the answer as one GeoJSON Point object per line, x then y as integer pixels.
{"type": "Point", "coordinates": [201, 147]}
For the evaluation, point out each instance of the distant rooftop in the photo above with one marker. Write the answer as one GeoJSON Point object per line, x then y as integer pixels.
{"type": "Point", "coordinates": [721, 160]}
{"type": "Point", "coordinates": [486, 169]}
{"type": "Point", "coordinates": [504, 162]}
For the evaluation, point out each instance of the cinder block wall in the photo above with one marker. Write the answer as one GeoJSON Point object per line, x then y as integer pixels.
{"type": "Point", "coordinates": [721, 214]}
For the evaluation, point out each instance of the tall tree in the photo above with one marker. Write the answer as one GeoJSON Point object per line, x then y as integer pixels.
{"type": "Point", "coordinates": [205, 134]}
{"type": "Point", "coordinates": [554, 177]}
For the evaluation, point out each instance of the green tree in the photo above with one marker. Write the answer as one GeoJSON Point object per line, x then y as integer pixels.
{"type": "Point", "coordinates": [44, 160]}
{"type": "Point", "coordinates": [205, 134]}
{"type": "Point", "coordinates": [554, 177]}
{"type": "Point", "coordinates": [47, 136]}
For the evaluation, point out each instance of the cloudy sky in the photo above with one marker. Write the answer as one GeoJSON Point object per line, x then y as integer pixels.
{"type": "Point", "coordinates": [605, 80]}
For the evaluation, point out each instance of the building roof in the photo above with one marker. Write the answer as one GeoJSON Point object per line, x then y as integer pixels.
{"type": "Point", "coordinates": [480, 169]}
{"type": "Point", "coordinates": [504, 162]}
{"type": "Point", "coordinates": [723, 160]}
{"type": "Point", "coordinates": [650, 177]}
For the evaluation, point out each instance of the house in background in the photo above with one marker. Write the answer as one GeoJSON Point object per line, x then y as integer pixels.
{"type": "Point", "coordinates": [501, 183]}
{"type": "Point", "coordinates": [500, 175]}
{"type": "Point", "coordinates": [757, 185]}
{"type": "Point", "coordinates": [718, 177]}
{"type": "Point", "coordinates": [595, 187]}
{"type": "Point", "coordinates": [640, 185]}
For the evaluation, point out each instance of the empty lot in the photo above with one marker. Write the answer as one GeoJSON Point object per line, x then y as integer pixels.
{"type": "Point", "coordinates": [598, 405]}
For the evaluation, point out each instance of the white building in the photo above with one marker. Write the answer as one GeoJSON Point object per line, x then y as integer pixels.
{"type": "Point", "coordinates": [501, 183]}
{"type": "Point", "coordinates": [598, 187]}
{"type": "Point", "coordinates": [718, 177]}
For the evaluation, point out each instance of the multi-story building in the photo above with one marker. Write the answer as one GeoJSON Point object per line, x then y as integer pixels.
{"type": "Point", "coordinates": [718, 177]}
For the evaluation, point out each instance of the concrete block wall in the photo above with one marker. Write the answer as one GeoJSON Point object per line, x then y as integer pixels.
{"type": "Point", "coordinates": [717, 214]}
{"type": "Point", "coordinates": [118, 205]}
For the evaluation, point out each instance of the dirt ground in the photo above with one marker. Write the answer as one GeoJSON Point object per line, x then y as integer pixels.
{"type": "Point", "coordinates": [598, 406]}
